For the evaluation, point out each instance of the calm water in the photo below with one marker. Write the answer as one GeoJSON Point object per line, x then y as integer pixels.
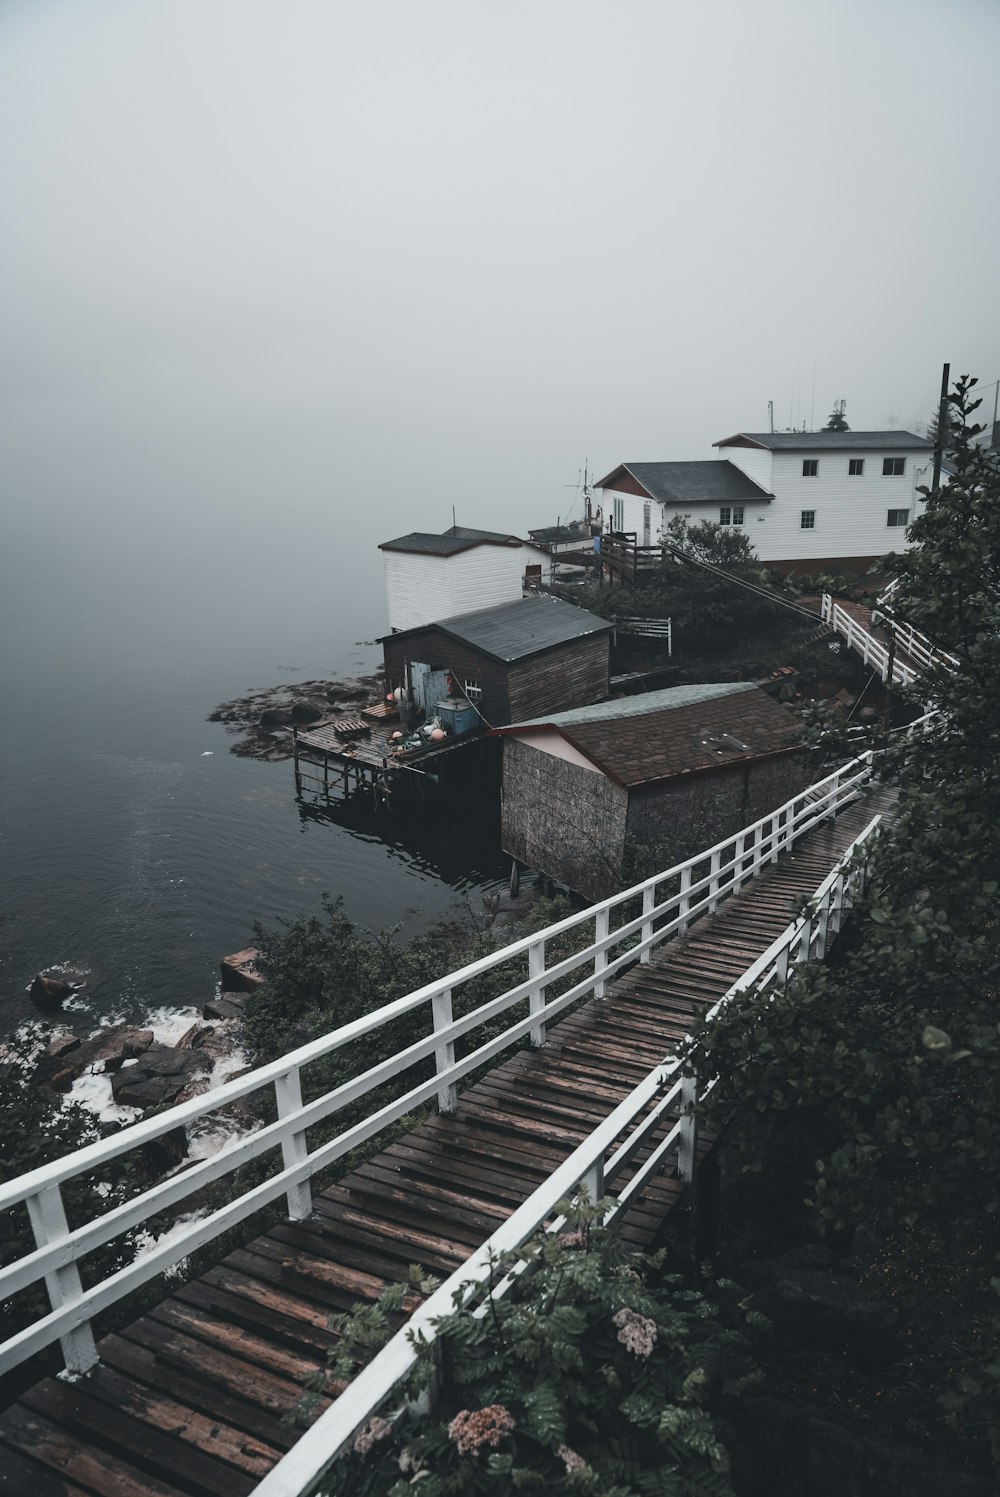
{"type": "Point", "coordinates": [133, 843]}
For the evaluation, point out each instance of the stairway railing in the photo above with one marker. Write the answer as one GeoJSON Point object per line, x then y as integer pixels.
{"type": "Point", "coordinates": [594, 1166]}
{"type": "Point", "coordinates": [648, 914]}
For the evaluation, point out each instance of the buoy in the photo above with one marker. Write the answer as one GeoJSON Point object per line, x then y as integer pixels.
{"type": "Point", "coordinates": [389, 696]}
{"type": "Point", "coordinates": [397, 734]}
{"type": "Point", "coordinates": [437, 734]}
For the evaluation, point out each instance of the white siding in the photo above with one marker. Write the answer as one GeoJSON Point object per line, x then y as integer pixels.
{"type": "Point", "coordinates": [631, 512]}
{"type": "Point", "coordinates": [752, 461]}
{"type": "Point", "coordinates": [696, 513]}
{"type": "Point", "coordinates": [851, 513]}
{"type": "Point", "coordinates": [416, 588]}
{"type": "Point", "coordinates": [482, 576]}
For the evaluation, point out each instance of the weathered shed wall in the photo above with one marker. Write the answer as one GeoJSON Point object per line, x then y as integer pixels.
{"type": "Point", "coordinates": [667, 823]}
{"type": "Point", "coordinates": [562, 820]}
{"type": "Point", "coordinates": [573, 675]}
{"type": "Point", "coordinates": [465, 664]}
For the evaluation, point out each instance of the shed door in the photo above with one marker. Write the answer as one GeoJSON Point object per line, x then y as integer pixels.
{"type": "Point", "coordinates": [646, 528]}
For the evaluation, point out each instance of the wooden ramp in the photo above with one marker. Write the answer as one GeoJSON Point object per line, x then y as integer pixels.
{"type": "Point", "coordinates": [188, 1401]}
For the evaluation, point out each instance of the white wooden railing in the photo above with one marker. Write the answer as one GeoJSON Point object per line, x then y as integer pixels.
{"type": "Point", "coordinates": [921, 651]}
{"type": "Point", "coordinates": [663, 1095]}
{"type": "Point", "coordinates": [666, 904]}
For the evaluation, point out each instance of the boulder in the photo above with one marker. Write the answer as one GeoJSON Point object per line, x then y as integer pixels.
{"type": "Point", "coordinates": [239, 973]}
{"type": "Point", "coordinates": [164, 1153]}
{"type": "Point", "coordinates": [106, 1050]}
{"type": "Point", "coordinates": [275, 717]}
{"type": "Point", "coordinates": [226, 1006]}
{"type": "Point", "coordinates": [159, 1075]}
{"type": "Point", "coordinates": [308, 710]}
{"type": "Point", "coordinates": [195, 1037]}
{"type": "Point", "coordinates": [49, 991]}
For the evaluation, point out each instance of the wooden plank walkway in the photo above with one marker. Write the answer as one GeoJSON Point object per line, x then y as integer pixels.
{"type": "Point", "coordinates": [188, 1400]}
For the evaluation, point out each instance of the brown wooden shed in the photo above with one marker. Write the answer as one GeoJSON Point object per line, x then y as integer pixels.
{"type": "Point", "coordinates": [513, 660]}
{"type": "Point", "coordinates": [602, 795]}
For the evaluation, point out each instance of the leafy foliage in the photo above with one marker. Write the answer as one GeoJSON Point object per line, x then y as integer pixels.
{"type": "Point", "coordinates": [598, 1373]}
{"type": "Point", "coordinates": [883, 1067]}
{"type": "Point", "coordinates": [837, 421]}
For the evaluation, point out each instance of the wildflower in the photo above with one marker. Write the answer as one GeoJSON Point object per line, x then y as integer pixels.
{"type": "Point", "coordinates": [571, 1460]}
{"type": "Point", "coordinates": [575, 1239]}
{"type": "Point", "coordinates": [470, 1431]}
{"type": "Point", "coordinates": [635, 1332]}
{"type": "Point", "coordinates": [376, 1429]}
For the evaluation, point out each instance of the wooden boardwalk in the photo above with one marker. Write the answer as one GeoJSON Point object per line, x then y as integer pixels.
{"type": "Point", "coordinates": [188, 1400]}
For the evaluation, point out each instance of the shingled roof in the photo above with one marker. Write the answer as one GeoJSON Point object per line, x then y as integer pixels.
{"type": "Point", "coordinates": [828, 441]}
{"type": "Point", "coordinates": [713, 481]}
{"type": "Point", "coordinates": [450, 542]}
{"type": "Point", "coordinates": [513, 631]}
{"type": "Point", "coordinates": [661, 735]}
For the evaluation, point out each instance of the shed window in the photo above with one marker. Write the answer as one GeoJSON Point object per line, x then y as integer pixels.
{"type": "Point", "coordinates": [473, 690]}
{"type": "Point", "coordinates": [810, 467]}
{"type": "Point", "coordinates": [731, 514]}
{"type": "Point", "coordinates": [893, 467]}
{"type": "Point", "coordinates": [808, 520]}
{"type": "Point", "coordinates": [618, 514]}
{"type": "Point", "coordinates": [856, 467]}
{"type": "Point", "coordinates": [898, 517]}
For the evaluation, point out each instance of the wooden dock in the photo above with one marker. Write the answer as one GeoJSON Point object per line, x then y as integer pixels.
{"type": "Point", "coordinates": [188, 1400]}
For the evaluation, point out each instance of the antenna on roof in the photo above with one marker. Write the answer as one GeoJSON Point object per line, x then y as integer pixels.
{"type": "Point", "coordinates": [770, 415]}
{"type": "Point", "coordinates": [454, 522]}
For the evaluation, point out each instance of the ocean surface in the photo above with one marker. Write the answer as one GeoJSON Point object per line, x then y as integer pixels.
{"type": "Point", "coordinates": [134, 847]}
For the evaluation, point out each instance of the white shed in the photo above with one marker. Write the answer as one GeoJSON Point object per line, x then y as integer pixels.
{"type": "Point", "coordinates": [430, 577]}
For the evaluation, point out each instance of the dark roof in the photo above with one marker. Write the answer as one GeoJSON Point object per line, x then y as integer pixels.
{"type": "Point", "coordinates": [549, 533]}
{"type": "Point", "coordinates": [513, 631]}
{"type": "Point", "coordinates": [450, 542]}
{"type": "Point", "coordinates": [827, 441]}
{"type": "Point", "coordinates": [691, 483]}
{"type": "Point", "coordinates": [646, 739]}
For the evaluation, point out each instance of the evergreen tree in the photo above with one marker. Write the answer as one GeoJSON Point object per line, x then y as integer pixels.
{"type": "Point", "coordinates": [837, 421]}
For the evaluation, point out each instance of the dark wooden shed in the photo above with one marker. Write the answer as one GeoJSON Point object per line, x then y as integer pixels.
{"type": "Point", "coordinates": [514, 660]}
{"type": "Point", "coordinates": [602, 795]}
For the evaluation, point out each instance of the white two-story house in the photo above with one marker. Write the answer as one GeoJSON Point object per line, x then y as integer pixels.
{"type": "Point", "coordinates": [809, 501]}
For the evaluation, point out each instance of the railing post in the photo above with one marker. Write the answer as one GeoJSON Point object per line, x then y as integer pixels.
{"type": "Point", "coordinates": [593, 1180]}
{"type": "Point", "coordinates": [781, 966]}
{"type": "Point", "coordinates": [685, 898]}
{"type": "Point", "coordinates": [444, 1054]}
{"type": "Point", "coordinates": [837, 904]}
{"type": "Point", "coordinates": [687, 1143]}
{"type": "Point", "coordinates": [737, 882]}
{"type": "Point", "coordinates": [294, 1150]}
{"type": "Point", "coordinates": [48, 1223]}
{"type": "Point", "coordinates": [648, 906]}
{"type": "Point", "coordinates": [536, 998]}
{"type": "Point", "coordinates": [601, 929]}
{"type": "Point", "coordinates": [713, 888]}
{"type": "Point", "coordinates": [822, 926]}
{"type": "Point", "coordinates": [774, 832]}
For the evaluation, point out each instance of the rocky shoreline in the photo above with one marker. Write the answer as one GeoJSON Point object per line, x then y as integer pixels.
{"type": "Point", "coordinates": [261, 719]}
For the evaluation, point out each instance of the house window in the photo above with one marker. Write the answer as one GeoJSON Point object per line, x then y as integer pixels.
{"type": "Point", "coordinates": [893, 467]}
{"type": "Point", "coordinates": [810, 467]}
{"type": "Point", "coordinates": [473, 690]}
{"type": "Point", "coordinates": [618, 514]}
{"type": "Point", "coordinates": [856, 467]}
{"type": "Point", "coordinates": [731, 514]}
{"type": "Point", "coordinates": [808, 520]}
{"type": "Point", "coordinates": [898, 517]}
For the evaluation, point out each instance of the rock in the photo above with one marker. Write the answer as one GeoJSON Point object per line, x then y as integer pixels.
{"type": "Point", "coordinates": [164, 1153]}
{"type": "Point", "coordinates": [195, 1037]}
{"type": "Point", "coordinates": [106, 1050]}
{"type": "Point", "coordinates": [239, 973]}
{"type": "Point", "coordinates": [308, 710]}
{"type": "Point", "coordinates": [159, 1075]}
{"type": "Point", "coordinates": [50, 992]}
{"type": "Point", "coordinates": [787, 1450]}
{"type": "Point", "coordinates": [63, 1044]}
{"type": "Point", "coordinates": [272, 717]}
{"type": "Point", "coordinates": [227, 1006]}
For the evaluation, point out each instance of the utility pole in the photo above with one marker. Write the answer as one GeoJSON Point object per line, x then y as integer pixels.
{"type": "Point", "coordinates": [942, 423]}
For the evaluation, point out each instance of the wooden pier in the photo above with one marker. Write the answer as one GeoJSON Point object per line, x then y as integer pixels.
{"type": "Point", "coordinates": [188, 1400]}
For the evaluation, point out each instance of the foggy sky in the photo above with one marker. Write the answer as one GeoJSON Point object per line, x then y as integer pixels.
{"type": "Point", "coordinates": [376, 260]}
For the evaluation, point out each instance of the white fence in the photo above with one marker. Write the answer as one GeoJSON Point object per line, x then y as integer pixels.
{"type": "Point", "coordinates": [921, 651]}
{"type": "Point", "coordinates": [593, 1165]}
{"type": "Point", "coordinates": [649, 913]}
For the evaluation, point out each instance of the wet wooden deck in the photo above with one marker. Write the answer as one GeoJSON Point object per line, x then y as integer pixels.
{"type": "Point", "coordinates": [188, 1400]}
